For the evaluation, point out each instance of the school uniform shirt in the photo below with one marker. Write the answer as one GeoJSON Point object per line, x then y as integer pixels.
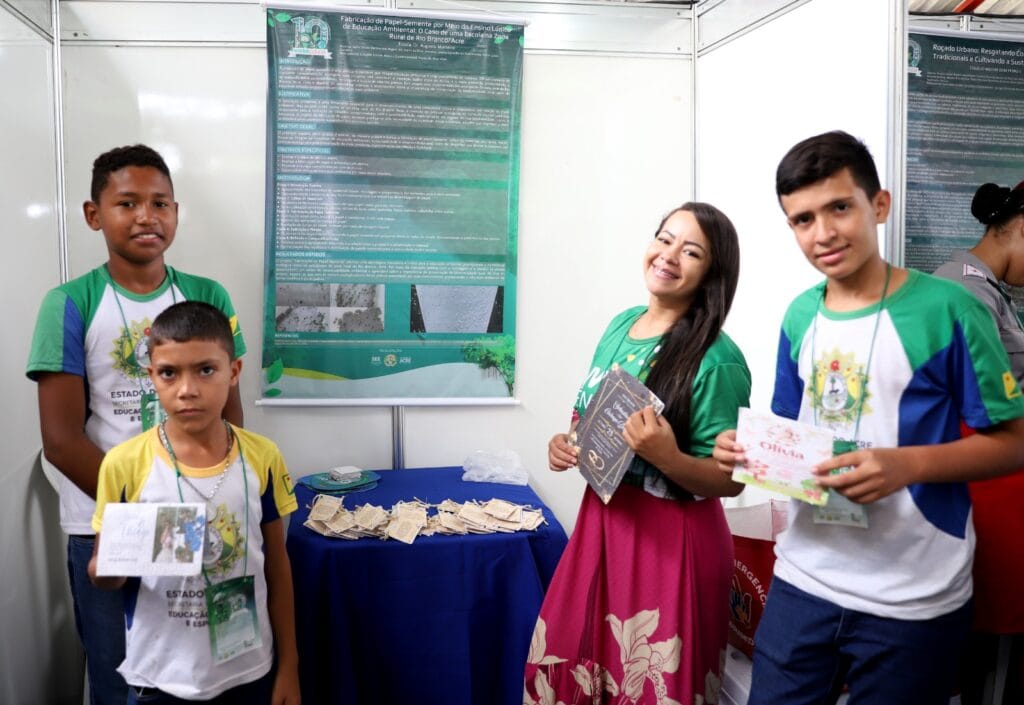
{"type": "Point", "coordinates": [935, 358]}
{"type": "Point", "coordinates": [93, 328]}
{"type": "Point", "coordinates": [975, 275]}
{"type": "Point", "coordinates": [720, 387]}
{"type": "Point", "coordinates": [167, 644]}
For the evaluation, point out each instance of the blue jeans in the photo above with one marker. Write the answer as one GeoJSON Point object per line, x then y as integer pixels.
{"type": "Point", "coordinates": [806, 648]}
{"type": "Point", "coordinates": [258, 692]}
{"type": "Point", "coordinates": [99, 616]}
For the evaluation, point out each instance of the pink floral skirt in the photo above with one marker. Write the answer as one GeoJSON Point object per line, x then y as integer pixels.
{"type": "Point", "coordinates": [637, 611]}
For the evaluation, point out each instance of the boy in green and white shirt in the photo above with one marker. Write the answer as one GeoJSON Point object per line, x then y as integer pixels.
{"type": "Point", "coordinates": [88, 357]}
{"type": "Point", "coordinates": [890, 360]}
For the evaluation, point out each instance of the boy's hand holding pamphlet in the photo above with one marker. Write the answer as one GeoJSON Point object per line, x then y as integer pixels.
{"type": "Point", "coordinates": [780, 454]}
{"type": "Point", "coordinates": [604, 455]}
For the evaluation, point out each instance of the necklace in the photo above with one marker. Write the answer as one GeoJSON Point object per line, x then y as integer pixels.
{"type": "Point", "coordinates": [223, 473]}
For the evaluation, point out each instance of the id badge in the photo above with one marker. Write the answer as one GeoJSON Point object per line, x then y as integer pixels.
{"type": "Point", "coordinates": [150, 410]}
{"type": "Point", "coordinates": [840, 511]}
{"type": "Point", "coordinates": [232, 622]}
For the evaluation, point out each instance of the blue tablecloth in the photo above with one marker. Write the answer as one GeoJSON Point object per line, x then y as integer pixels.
{"type": "Point", "coordinates": [446, 620]}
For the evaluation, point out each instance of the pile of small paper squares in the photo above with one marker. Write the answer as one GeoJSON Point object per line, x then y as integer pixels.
{"type": "Point", "coordinates": [407, 520]}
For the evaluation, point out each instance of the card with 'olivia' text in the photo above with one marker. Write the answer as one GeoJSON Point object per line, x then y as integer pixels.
{"type": "Point", "coordinates": [780, 454]}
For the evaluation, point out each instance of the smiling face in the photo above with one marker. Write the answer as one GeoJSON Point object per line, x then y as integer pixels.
{"type": "Point", "coordinates": [836, 225]}
{"type": "Point", "coordinates": [677, 259]}
{"type": "Point", "coordinates": [193, 380]}
{"type": "Point", "coordinates": [137, 213]}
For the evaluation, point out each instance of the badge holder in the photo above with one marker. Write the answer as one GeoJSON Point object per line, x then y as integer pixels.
{"type": "Point", "coordinates": [840, 511]}
{"type": "Point", "coordinates": [231, 618]}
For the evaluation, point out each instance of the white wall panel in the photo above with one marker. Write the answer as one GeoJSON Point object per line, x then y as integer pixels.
{"type": "Point", "coordinates": [722, 19]}
{"type": "Point", "coordinates": [38, 626]}
{"type": "Point", "coordinates": [158, 21]}
{"type": "Point", "coordinates": [36, 12]}
{"type": "Point", "coordinates": [817, 68]}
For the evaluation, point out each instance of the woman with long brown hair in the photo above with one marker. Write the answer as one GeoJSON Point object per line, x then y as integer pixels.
{"type": "Point", "coordinates": [637, 610]}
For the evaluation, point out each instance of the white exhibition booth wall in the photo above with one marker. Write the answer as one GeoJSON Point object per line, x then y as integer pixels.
{"type": "Point", "coordinates": [40, 660]}
{"type": "Point", "coordinates": [758, 94]}
{"type": "Point", "coordinates": [608, 137]}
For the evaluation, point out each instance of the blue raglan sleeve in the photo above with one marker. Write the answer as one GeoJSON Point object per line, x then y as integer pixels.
{"type": "Point", "coordinates": [789, 387]}
{"type": "Point", "coordinates": [58, 343]}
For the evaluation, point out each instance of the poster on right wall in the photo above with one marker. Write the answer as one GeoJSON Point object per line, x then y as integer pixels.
{"type": "Point", "coordinates": [965, 126]}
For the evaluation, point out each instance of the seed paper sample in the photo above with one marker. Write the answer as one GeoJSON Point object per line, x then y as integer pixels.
{"type": "Point", "coordinates": [407, 520]}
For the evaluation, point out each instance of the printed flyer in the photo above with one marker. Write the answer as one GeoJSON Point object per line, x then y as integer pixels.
{"type": "Point", "coordinates": [604, 455]}
{"type": "Point", "coordinates": [151, 539]}
{"type": "Point", "coordinates": [780, 454]}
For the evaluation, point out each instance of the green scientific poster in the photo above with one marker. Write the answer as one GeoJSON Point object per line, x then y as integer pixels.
{"type": "Point", "coordinates": [392, 213]}
{"type": "Point", "coordinates": [965, 126]}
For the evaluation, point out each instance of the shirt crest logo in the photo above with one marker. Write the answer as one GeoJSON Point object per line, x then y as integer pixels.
{"type": "Point", "coordinates": [838, 388]}
{"type": "Point", "coordinates": [130, 351]}
{"type": "Point", "coordinates": [225, 544]}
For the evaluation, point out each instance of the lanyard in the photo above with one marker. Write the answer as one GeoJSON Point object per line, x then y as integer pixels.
{"type": "Point", "coordinates": [871, 351]}
{"type": "Point", "coordinates": [245, 480]}
{"type": "Point", "coordinates": [124, 319]}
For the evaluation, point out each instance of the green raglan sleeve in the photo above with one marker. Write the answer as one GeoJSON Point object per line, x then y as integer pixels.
{"type": "Point", "coordinates": [989, 392]}
{"type": "Point", "coordinates": [209, 291]}
{"type": "Point", "coordinates": [721, 388]}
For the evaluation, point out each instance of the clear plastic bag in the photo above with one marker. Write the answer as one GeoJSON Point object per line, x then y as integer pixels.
{"type": "Point", "coordinates": [495, 466]}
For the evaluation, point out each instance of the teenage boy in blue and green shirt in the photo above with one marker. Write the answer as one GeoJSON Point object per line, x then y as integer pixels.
{"type": "Point", "coordinates": [891, 360]}
{"type": "Point", "coordinates": [89, 358]}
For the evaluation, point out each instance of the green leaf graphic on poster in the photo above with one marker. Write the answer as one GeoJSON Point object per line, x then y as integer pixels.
{"type": "Point", "coordinates": [275, 370]}
{"type": "Point", "coordinates": [499, 40]}
{"type": "Point", "coordinates": [272, 392]}
{"type": "Point", "coordinates": [497, 353]}
{"type": "Point", "coordinates": [282, 17]}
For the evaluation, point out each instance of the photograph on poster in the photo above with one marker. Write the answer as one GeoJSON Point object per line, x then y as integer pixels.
{"type": "Point", "coordinates": [330, 308]}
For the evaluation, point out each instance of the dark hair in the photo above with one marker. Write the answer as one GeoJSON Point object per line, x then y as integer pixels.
{"type": "Point", "coordinates": [121, 157]}
{"type": "Point", "coordinates": [192, 320]}
{"type": "Point", "coordinates": [994, 205]}
{"type": "Point", "coordinates": [821, 156]}
{"type": "Point", "coordinates": [684, 344]}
